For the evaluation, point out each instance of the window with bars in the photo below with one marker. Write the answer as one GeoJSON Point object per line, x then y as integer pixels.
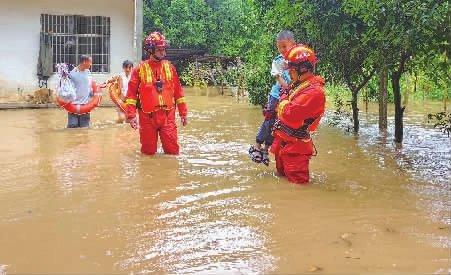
{"type": "Point", "coordinates": [74, 35]}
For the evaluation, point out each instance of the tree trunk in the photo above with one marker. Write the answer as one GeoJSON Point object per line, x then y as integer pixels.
{"type": "Point", "coordinates": [222, 81]}
{"type": "Point", "coordinates": [399, 110]}
{"type": "Point", "coordinates": [355, 92]}
{"type": "Point", "coordinates": [423, 90]}
{"type": "Point", "coordinates": [355, 111]}
{"type": "Point", "coordinates": [445, 100]}
{"type": "Point", "coordinates": [196, 78]}
{"type": "Point", "coordinates": [383, 83]}
{"type": "Point", "coordinates": [415, 84]}
{"type": "Point", "coordinates": [366, 99]}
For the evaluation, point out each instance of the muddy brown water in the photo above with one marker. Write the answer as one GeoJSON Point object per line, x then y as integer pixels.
{"type": "Point", "coordinates": [86, 201]}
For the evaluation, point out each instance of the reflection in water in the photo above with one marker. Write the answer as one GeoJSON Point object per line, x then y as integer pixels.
{"type": "Point", "coordinates": [91, 197]}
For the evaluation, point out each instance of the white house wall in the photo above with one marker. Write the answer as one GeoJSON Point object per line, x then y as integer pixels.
{"type": "Point", "coordinates": [20, 28]}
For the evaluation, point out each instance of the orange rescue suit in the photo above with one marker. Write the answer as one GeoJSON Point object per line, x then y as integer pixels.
{"type": "Point", "coordinates": [298, 115]}
{"type": "Point", "coordinates": [155, 90]}
{"type": "Point", "coordinates": [142, 87]}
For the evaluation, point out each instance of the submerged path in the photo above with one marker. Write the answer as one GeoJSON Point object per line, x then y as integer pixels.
{"type": "Point", "coordinates": [86, 201]}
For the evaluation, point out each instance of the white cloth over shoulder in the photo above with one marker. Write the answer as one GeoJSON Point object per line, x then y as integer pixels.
{"type": "Point", "coordinates": [65, 88]}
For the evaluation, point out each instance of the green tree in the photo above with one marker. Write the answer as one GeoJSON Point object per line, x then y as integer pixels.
{"type": "Point", "coordinates": [185, 23]}
{"type": "Point", "coordinates": [338, 38]}
{"type": "Point", "coordinates": [401, 31]}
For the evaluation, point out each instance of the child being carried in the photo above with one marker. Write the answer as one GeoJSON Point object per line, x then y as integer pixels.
{"type": "Point", "coordinates": [259, 152]}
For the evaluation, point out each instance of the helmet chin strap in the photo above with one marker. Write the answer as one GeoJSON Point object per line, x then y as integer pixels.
{"type": "Point", "coordinates": [156, 57]}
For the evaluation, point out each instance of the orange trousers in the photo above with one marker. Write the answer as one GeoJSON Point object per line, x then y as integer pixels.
{"type": "Point", "coordinates": [292, 159]}
{"type": "Point", "coordinates": [160, 123]}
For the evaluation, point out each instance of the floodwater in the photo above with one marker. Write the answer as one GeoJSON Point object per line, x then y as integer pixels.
{"type": "Point", "coordinates": [86, 201]}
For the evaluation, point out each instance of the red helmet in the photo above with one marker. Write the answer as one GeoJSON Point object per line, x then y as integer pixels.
{"type": "Point", "coordinates": [155, 40]}
{"type": "Point", "coordinates": [299, 54]}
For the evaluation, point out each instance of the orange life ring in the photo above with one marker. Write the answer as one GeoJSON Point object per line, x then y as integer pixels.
{"type": "Point", "coordinates": [115, 94]}
{"type": "Point", "coordinates": [80, 109]}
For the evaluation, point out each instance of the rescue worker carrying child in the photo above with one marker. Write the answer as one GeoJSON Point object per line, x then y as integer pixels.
{"type": "Point", "coordinates": [298, 114]}
{"type": "Point", "coordinates": [154, 91]}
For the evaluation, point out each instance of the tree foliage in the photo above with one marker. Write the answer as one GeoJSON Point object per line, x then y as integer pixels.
{"type": "Point", "coordinates": [354, 39]}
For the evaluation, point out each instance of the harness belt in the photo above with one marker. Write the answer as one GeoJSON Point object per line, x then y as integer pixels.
{"type": "Point", "coordinates": [300, 133]}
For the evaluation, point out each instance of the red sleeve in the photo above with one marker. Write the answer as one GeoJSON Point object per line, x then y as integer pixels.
{"type": "Point", "coordinates": [179, 95]}
{"type": "Point", "coordinates": [132, 93]}
{"type": "Point", "coordinates": [308, 105]}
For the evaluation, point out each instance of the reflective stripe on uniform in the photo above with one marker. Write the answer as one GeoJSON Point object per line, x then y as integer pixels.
{"type": "Point", "coordinates": [142, 73]}
{"type": "Point", "coordinates": [167, 70]}
{"type": "Point", "coordinates": [283, 103]}
{"type": "Point", "coordinates": [145, 72]}
{"type": "Point", "coordinates": [180, 100]}
{"type": "Point", "coordinates": [148, 73]}
{"type": "Point", "coordinates": [160, 100]}
{"type": "Point", "coordinates": [281, 107]}
{"type": "Point", "coordinates": [130, 101]}
{"type": "Point", "coordinates": [298, 89]}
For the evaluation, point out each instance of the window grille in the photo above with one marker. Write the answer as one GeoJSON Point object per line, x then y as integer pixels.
{"type": "Point", "coordinates": [74, 35]}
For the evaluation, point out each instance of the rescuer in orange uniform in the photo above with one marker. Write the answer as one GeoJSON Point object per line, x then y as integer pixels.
{"type": "Point", "coordinates": [298, 114]}
{"type": "Point", "coordinates": [154, 91]}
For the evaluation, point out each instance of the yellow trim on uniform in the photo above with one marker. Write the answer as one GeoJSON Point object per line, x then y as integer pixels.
{"type": "Point", "coordinates": [141, 73]}
{"type": "Point", "coordinates": [167, 70]}
{"type": "Point", "coordinates": [281, 107]}
{"type": "Point", "coordinates": [130, 101]}
{"type": "Point", "coordinates": [284, 102]}
{"type": "Point", "coordinates": [180, 101]}
{"type": "Point", "coordinates": [300, 88]}
{"type": "Point", "coordinates": [160, 99]}
{"type": "Point", "coordinates": [148, 73]}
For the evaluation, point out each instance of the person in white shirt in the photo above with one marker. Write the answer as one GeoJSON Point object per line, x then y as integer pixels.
{"type": "Point", "coordinates": [124, 77]}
